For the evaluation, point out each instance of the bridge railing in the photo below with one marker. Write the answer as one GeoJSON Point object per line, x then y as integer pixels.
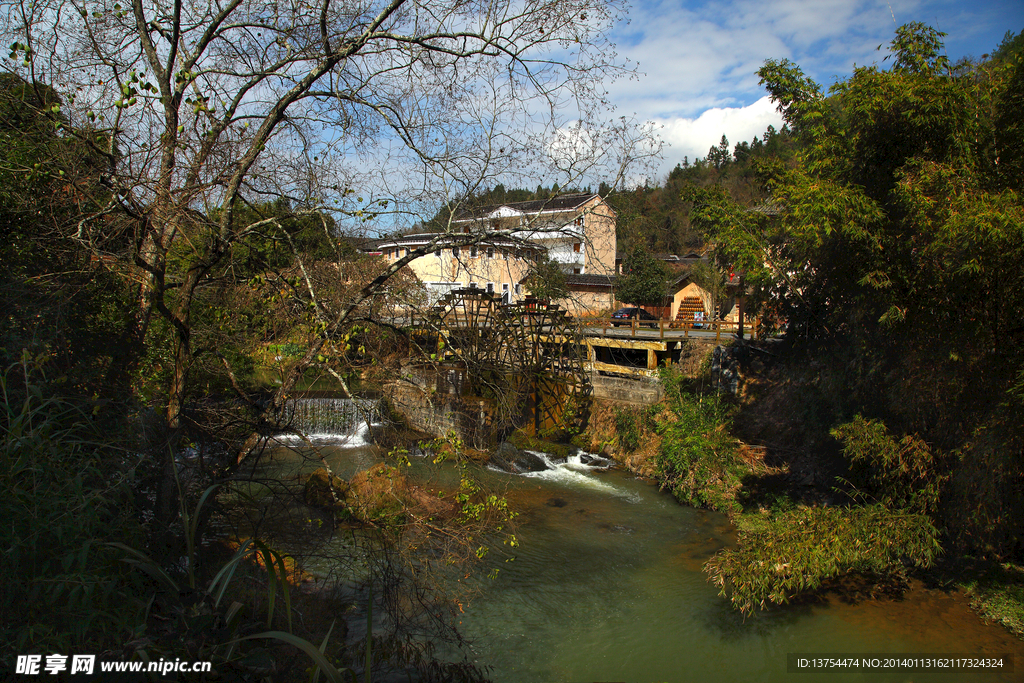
{"type": "Point", "coordinates": [671, 328]}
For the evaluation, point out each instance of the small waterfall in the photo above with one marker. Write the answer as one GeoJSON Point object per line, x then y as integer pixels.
{"type": "Point", "coordinates": [578, 470]}
{"type": "Point", "coordinates": [339, 421]}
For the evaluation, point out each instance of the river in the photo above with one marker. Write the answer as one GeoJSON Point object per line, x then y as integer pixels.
{"type": "Point", "coordinates": [607, 586]}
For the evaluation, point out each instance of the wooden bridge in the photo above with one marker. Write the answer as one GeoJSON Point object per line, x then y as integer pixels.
{"type": "Point", "coordinates": [475, 327]}
{"type": "Point", "coordinates": [661, 340]}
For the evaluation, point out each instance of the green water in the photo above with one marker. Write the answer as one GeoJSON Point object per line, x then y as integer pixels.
{"type": "Point", "coordinates": [607, 586]}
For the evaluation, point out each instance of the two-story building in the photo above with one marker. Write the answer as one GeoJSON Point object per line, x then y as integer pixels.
{"type": "Point", "coordinates": [497, 265]}
{"type": "Point", "coordinates": [576, 231]}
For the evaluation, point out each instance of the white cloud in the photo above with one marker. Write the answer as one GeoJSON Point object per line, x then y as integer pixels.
{"type": "Point", "coordinates": [699, 59]}
{"type": "Point", "coordinates": [691, 137]}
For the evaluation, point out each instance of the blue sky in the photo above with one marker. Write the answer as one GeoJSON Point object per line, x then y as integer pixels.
{"type": "Point", "coordinates": [698, 59]}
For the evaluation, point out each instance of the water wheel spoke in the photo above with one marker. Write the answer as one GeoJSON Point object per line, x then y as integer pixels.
{"type": "Point", "coordinates": [512, 352]}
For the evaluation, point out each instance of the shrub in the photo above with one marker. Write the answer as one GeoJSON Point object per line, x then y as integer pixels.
{"type": "Point", "coordinates": [782, 556]}
{"type": "Point", "coordinates": [698, 461]}
{"type": "Point", "coordinates": [63, 491]}
{"type": "Point", "coordinates": [380, 495]}
{"type": "Point", "coordinates": [631, 425]}
{"type": "Point", "coordinates": [899, 473]}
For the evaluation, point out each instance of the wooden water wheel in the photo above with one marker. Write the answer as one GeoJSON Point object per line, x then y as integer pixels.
{"type": "Point", "coordinates": [528, 358]}
{"type": "Point", "coordinates": [551, 353]}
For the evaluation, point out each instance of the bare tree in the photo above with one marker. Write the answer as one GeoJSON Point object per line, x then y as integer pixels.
{"type": "Point", "coordinates": [200, 108]}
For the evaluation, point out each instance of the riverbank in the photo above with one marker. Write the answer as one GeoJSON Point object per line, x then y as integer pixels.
{"type": "Point", "coordinates": [774, 466]}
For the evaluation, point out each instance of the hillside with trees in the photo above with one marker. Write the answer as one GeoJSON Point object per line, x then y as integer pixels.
{"type": "Point", "coordinates": [892, 252]}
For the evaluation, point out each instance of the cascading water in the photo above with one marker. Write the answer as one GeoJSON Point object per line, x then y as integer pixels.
{"type": "Point", "coordinates": [578, 470]}
{"type": "Point", "coordinates": [339, 421]}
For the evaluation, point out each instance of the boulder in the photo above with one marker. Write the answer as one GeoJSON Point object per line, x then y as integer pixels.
{"type": "Point", "coordinates": [380, 494]}
{"type": "Point", "coordinates": [323, 490]}
{"type": "Point", "coordinates": [517, 461]}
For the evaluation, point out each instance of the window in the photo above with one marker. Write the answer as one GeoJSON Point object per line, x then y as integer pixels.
{"type": "Point", "coordinates": [579, 220]}
{"type": "Point", "coordinates": [472, 252]}
{"type": "Point", "coordinates": [455, 252]}
{"type": "Point", "coordinates": [472, 285]}
{"type": "Point", "coordinates": [519, 288]}
{"type": "Point", "coordinates": [576, 247]}
{"type": "Point", "coordinates": [576, 271]}
{"type": "Point", "coordinates": [490, 252]}
{"type": "Point", "coordinates": [438, 253]}
{"type": "Point", "coordinates": [490, 288]}
{"type": "Point", "coordinates": [504, 254]}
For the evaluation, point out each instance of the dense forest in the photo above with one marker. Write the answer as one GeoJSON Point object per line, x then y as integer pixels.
{"type": "Point", "coordinates": [886, 239]}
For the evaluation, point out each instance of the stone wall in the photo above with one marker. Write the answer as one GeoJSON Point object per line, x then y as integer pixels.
{"type": "Point", "coordinates": [439, 413]}
{"type": "Point", "coordinates": [639, 391]}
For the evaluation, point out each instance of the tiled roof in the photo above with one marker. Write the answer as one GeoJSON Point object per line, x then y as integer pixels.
{"type": "Point", "coordinates": [588, 280]}
{"type": "Point", "coordinates": [565, 202]}
{"type": "Point", "coordinates": [424, 237]}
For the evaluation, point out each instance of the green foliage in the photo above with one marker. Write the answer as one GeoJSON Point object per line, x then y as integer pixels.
{"type": "Point", "coordinates": [892, 245]}
{"type": "Point", "coordinates": [782, 556]}
{"type": "Point", "coordinates": [658, 216]}
{"type": "Point", "coordinates": [918, 48]}
{"type": "Point", "coordinates": [899, 473]}
{"type": "Point", "coordinates": [1009, 128]}
{"type": "Point", "coordinates": [201, 621]}
{"type": "Point", "coordinates": [281, 232]}
{"type": "Point", "coordinates": [644, 279]}
{"type": "Point", "coordinates": [997, 592]}
{"type": "Point", "coordinates": [879, 139]}
{"type": "Point", "coordinates": [632, 425]}
{"type": "Point", "coordinates": [64, 489]}
{"type": "Point", "coordinates": [698, 461]}
{"type": "Point", "coordinates": [547, 280]}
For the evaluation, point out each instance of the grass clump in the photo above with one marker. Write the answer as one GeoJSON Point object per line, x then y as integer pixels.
{"type": "Point", "coordinates": [632, 426]}
{"type": "Point", "coordinates": [900, 473]}
{"type": "Point", "coordinates": [64, 492]}
{"type": "Point", "coordinates": [781, 556]}
{"type": "Point", "coordinates": [998, 594]}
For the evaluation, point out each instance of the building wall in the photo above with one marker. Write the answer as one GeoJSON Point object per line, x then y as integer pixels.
{"type": "Point", "coordinates": [599, 229]}
{"type": "Point", "coordinates": [693, 290]}
{"type": "Point", "coordinates": [503, 268]}
{"type": "Point", "coordinates": [582, 240]}
{"type": "Point", "coordinates": [588, 301]}
{"type": "Point", "coordinates": [591, 225]}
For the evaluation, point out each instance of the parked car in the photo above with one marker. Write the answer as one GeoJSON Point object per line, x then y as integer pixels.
{"type": "Point", "coordinates": [624, 316]}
